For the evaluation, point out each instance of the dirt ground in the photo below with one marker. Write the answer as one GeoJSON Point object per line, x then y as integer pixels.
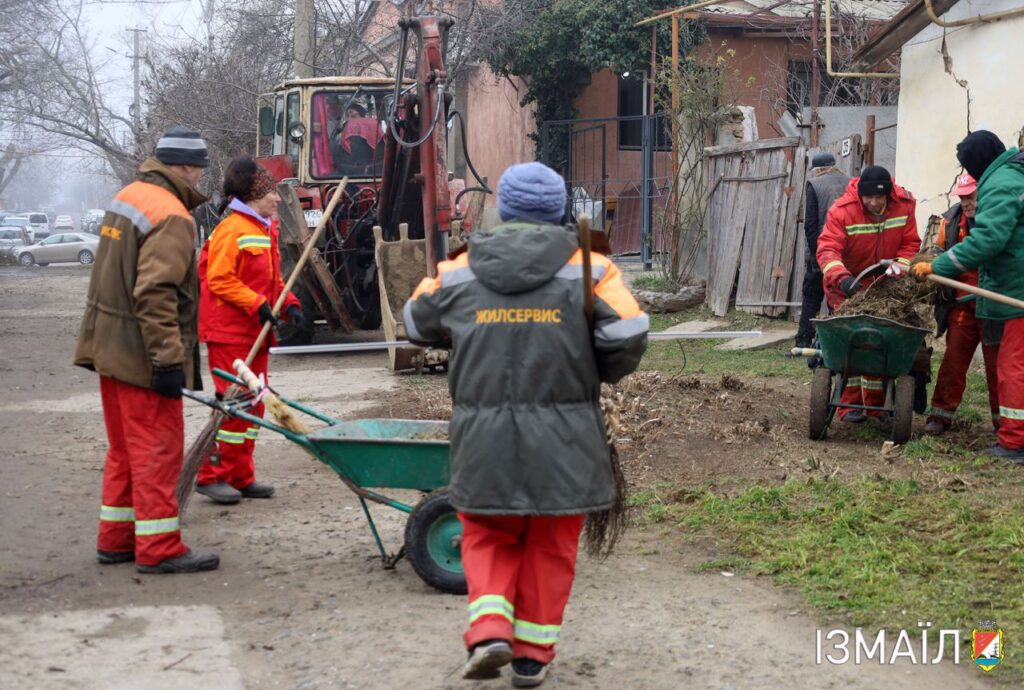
{"type": "Point", "coordinates": [301, 601]}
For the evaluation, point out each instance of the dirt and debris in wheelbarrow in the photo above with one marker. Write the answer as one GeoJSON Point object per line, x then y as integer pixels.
{"type": "Point", "coordinates": [906, 301]}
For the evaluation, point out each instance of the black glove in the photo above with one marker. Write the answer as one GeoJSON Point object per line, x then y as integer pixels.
{"type": "Point", "coordinates": [295, 317]}
{"type": "Point", "coordinates": [849, 286]}
{"type": "Point", "coordinates": [168, 381]}
{"type": "Point", "coordinates": [266, 315]}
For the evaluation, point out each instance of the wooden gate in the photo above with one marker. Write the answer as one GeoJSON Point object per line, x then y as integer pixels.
{"type": "Point", "coordinates": [756, 243]}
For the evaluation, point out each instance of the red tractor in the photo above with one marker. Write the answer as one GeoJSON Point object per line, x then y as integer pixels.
{"type": "Point", "coordinates": [389, 138]}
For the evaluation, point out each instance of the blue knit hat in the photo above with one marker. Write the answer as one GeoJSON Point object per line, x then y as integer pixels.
{"type": "Point", "coordinates": [531, 191]}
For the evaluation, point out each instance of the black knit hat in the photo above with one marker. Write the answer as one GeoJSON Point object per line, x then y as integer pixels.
{"type": "Point", "coordinates": [977, 151]}
{"type": "Point", "coordinates": [182, 146]}
{"type": "Point", "coordinates": [874, 181]}
{"type": "Point", "coordinates": [822, 160]}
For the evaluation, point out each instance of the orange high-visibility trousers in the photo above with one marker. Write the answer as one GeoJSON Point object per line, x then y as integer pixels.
{"type": "Point", "coordinates": [1011, 385]}
{"type": "Point", "coordinates": [962, 339]}
{"type": "Point", "coordinates": [231, 461]}
{"type": "Point", "coordinates": [520, 570]}
{"type": "Point", "coordinates": [146, 436]}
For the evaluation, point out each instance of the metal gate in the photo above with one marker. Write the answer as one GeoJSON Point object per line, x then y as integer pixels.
{"type": "Point", "coordinates": [617, 178]}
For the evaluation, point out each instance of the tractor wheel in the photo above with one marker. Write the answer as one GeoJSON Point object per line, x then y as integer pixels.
{"type": "Point", "coordinates": [903, 409]}
{"type": "Point", "coordinates": [433, 540]}
{"type": "Point", "coordinates": [821, 395]}
{"type": "Point", "coordinates": [85, 257]}
{"type": "Point", "coordinates": [26, 259]}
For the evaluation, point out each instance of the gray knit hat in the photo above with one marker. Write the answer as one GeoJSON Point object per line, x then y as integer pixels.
{"type": "Point", "coordinates": [182, 146]}
{"type": "Point", "coordinates": [822, 160]}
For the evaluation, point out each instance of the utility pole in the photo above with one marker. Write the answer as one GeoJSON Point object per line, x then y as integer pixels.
{"type": "Point", "coordinates": [302, 52]}
{"type": "Point", "coordinates": [208, 7]}
{"type": "Point", "coordinates": [136, 78]}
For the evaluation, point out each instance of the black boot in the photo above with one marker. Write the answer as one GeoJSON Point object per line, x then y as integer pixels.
{"type": "Point", "coordinates": [188, 562]}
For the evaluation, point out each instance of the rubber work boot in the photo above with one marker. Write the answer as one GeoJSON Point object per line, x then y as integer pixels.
{"type": "Point", "coordinates": [486, 659]}
{"type": "Point", "coordinates": [257, 490]}
{"type": "Point", "coordinates": [935, 428]}
{"type": "Point", "coordinates": [221, 492]}
{"type": "Point", "coordinates": [528, 673]}
{"type": "Point", "coordinates": [854, 417]}
{"type": "Point", "coordinates": [1014, 455]}
{"type": "Point", "coordinates": [188, 562]}
{"type": "Point", "coordinates": [114, 557]}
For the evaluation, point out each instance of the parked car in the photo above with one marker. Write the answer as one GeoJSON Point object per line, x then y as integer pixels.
{"type": "Point", "coordinates": [91, 220]}
{"type": "Point", "coordinates": [40, 223]}
{"type": "Point", "coordinates": [63, 223]}
{"type": "Point", "coordinates": [22, 222]}
{"type": "Point", "coordinates": [13, 236]}
{"type": "Point", "coordinates": [68, 246]}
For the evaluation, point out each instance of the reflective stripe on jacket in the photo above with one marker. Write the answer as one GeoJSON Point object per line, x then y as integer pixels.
{"type": "Point", "coordinates": [525, 373]}
{"type": "Point", "coordinates": [853, 240]}
{"type": "Point", "coordinates": [143, 292]}
{"type": "Point", "coordinates": [239, 270]}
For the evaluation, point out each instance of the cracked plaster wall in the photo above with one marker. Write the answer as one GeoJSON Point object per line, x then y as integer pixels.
{"type": "Point", "coordinates": [952, 80]}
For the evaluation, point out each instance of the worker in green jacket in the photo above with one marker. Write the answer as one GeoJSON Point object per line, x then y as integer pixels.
{"type": "Point", "coordinates": [996, 247]}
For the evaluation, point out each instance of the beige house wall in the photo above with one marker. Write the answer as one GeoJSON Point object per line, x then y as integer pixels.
{"type": "Point", "coordinates": [935, 112]}
{"type": "Point", "coordinates": [497, 127]}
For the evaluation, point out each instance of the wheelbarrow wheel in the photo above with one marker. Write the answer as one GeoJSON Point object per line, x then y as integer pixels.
{"type": "Point", "coordinates": [433, 543]}
{"type": "Point", "coordinates": [821, 394]}
{"type": "Point", "coordinates": [903, 409]}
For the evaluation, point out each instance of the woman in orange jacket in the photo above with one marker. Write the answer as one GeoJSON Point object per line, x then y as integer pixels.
{"type": "Point", "coordinates": [240, 280]}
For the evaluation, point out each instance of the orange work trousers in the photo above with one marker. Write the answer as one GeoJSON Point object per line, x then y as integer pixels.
{"type": "Point", "coordinates": [146, 437]}
{"type": "Point", "coordinates": [520, 570]}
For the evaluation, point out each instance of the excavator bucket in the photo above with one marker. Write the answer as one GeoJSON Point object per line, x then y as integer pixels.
{"type": "Point", "coordinates": [401, 265]}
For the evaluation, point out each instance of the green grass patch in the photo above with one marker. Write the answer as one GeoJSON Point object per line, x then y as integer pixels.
{"type": "Point", "coordinates": [881, 553]}
{"type": "Point", "coordinates": [653, 281]}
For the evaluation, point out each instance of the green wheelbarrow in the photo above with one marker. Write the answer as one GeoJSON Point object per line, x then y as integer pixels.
{"type": "Point", "coordinates": [855, 346]}
{"type": "Point", "coordinates": [382, 454]}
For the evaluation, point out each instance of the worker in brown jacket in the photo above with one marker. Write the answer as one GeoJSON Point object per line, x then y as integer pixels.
{"type": "Point", "coordinates": [139, 333]}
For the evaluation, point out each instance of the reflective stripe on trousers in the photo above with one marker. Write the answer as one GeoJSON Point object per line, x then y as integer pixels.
{"type": "Point", "coordinates": [117, 513]}
{"type": "Point", "coordinates": [490, 605]}
{"type": "Point", "coordinates": [160, 526]}
{"type": "Point", "coordinates": [536, 634]}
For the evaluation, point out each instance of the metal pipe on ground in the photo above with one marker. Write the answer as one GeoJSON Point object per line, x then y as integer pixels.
{"type": "Point", "coordinates": [338, 348]}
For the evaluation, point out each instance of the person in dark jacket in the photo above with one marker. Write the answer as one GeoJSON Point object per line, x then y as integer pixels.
{"type": "Point", "coordinates": [995, 246]}
{"type": "Point", "coordinates": [826, 183]}
{"type": "Point", "coordinates": [529, 452]}
{"type": "Point", "coordinates": [139, 334]}
{"type": "Point", "coordinates": [954, 314]}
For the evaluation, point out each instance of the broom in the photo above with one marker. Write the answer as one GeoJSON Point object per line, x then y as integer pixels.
{"type": "Point", "coordinates": [602, 529]}
{"type": "Point", "coordinates": [200, 448]}
{"type": "Point", "coordinates": [281, 413]}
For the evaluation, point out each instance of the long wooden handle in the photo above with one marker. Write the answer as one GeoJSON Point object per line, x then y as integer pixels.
{"type": "Point", "coordinates": [588, 283]}
{"type": "Point", "coordinates": [290, 283]}
{"type": "Point", "coordinates": [980, 292]}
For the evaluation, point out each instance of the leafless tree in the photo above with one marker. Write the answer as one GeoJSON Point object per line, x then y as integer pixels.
{"type": "Point", "coordinates": [55, 88]}
{"type": "Point", "coordinates": [214, 87]}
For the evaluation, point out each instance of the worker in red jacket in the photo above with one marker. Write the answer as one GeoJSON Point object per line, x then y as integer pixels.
{"type": "Point", "coordinates": [872, 221]}
{"type": "Point", "coordinates": [954, 314]}
{"type": "Point", "coordinates": [240, 280]}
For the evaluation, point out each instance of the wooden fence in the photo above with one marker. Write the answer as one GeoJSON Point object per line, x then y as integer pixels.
{"type": "Point", "coordinates": [756, 245]}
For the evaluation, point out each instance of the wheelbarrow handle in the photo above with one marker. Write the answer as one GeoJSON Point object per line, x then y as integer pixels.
{"type": "Point", "coordinates": [874, 269]}
{"type": "Point", "coordinates": [804, 352]}
{"type": "Point", "coordinates": [231, 378]}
